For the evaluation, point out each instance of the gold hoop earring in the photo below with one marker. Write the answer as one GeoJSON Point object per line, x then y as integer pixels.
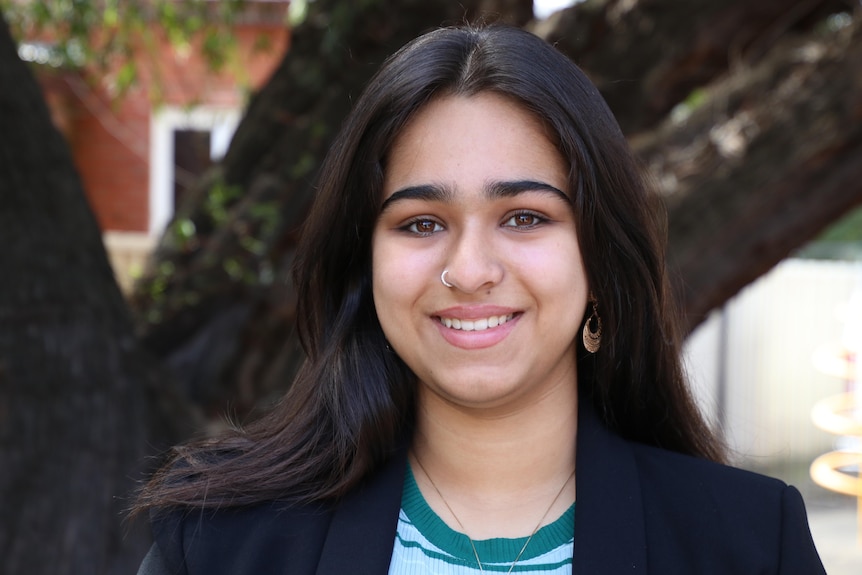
{"type": "Point", "coordinates": [593, 330]}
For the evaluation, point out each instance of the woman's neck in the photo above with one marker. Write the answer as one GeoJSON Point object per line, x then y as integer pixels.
{"type": "Point", "coordinates": [494, 474]}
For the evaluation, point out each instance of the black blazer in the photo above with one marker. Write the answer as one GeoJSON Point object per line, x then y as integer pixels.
{"type": "Point", "coordinates": [639, 510]}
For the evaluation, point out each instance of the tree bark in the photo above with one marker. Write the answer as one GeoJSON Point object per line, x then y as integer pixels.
{"type": "Point", "coordinates": [514, 12]}
{"type": "Point", "coordinates": [771, 156]}
{"type": "Point", "coordinates": [77, 408]}
{"type": "Point", "coordinates": [647, 56]}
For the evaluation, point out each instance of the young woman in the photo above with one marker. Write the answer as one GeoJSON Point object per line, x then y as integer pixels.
{"type": "Point", "coordinates": [493, 380]}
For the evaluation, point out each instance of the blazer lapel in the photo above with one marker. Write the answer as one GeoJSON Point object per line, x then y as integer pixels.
{"type": "Point", "coordinates": [362, 532]}
{"type": "Point", "coordinates": [609, 522]}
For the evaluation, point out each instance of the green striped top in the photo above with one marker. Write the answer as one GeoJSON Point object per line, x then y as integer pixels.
{"type": "Point", "coordinates": [425, 545]}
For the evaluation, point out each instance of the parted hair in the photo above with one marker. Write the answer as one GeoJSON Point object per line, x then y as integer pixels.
{"type": "Point", "coordinates": [353, 400]}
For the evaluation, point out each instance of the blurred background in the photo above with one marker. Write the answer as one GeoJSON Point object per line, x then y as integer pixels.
{"type": "Point", "coordinates": [158, 156]}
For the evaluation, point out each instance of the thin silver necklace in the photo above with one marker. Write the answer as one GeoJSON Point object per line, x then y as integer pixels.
{"type": "Point", "coordinates": [470, 539]}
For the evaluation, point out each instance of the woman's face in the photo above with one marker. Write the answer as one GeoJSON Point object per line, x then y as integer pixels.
{"type": "Point", "coordinates": [474, 186]}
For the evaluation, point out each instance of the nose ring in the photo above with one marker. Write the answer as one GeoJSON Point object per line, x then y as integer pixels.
{"type": "Point", "coordinates": [443, 279]}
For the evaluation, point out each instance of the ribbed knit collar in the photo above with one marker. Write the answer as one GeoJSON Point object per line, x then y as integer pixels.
{"type": "Point", "coordinates": [496, 550]}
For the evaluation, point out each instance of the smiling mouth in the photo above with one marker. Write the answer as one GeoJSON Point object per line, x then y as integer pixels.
{"type": "Point", "coordinates": [476, 324]}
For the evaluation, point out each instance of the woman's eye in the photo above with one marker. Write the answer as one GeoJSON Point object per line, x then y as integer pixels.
{"type": "Point", "coordinates": [524, 220]}
{"type": "Point", "coordinates": [423, 227]}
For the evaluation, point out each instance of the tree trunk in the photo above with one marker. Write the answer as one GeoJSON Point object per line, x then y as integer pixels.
{"type": "Point", "coordinates": [767, 159]}
{"type": "Point", "coordinates": [648, 56]}
{"type": "Point", "coordinates": [514, 12]}
{"type": "Point", "coordinates": [77, 416]}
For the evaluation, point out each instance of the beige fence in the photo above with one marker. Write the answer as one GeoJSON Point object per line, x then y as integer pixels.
{"type": "Point", "coordinates": [753, 362]}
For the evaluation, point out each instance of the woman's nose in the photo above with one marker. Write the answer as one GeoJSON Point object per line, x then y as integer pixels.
{"type": "Point", "coordinates": [473, 263]}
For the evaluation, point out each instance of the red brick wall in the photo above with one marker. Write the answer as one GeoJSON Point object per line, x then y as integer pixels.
{"type": "Point", "coordinates": [110, 138]}
{"type": "Point", "coordinates": [110, 145]}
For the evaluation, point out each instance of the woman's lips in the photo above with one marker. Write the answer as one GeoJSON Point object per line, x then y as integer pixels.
{"type": "Point", "coordinates": [476, 324]}
{"type": "Point", "coordinates": [476, 328]}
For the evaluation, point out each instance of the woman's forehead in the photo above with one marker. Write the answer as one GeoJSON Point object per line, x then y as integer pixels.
{"type": "Point", "coordinates": [473, 140]}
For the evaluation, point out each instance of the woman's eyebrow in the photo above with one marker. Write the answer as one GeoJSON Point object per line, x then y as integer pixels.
{"type": "Point", "coordinates": [508, 189]}
{"type": "Point", "coordinates": [425, 192]}
{"type": "Point", "coordinates": [494, 191]}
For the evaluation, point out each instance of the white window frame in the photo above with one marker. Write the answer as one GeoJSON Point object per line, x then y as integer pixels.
{"type": "Point", "coordinates": [219, 121]}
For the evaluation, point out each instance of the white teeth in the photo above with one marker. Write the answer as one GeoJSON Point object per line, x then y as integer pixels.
{"type": "Point", "coordinates": [475, 325]}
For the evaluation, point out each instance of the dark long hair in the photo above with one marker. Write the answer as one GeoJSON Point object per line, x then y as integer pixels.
{"type": "Point", "coordinates": [353, 400]}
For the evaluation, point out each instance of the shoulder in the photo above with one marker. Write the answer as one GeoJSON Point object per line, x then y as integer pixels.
{"type": "Point", "coordinates": [693, 486]}
{"type": "Point", "coordinates": [276, 537]}
{"type": "Point", "coordinates": [690, 503]}
{"type": "Point", "coordinates": [242, 539]}
{"type": "Point", "coordinates": [678, 471]}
